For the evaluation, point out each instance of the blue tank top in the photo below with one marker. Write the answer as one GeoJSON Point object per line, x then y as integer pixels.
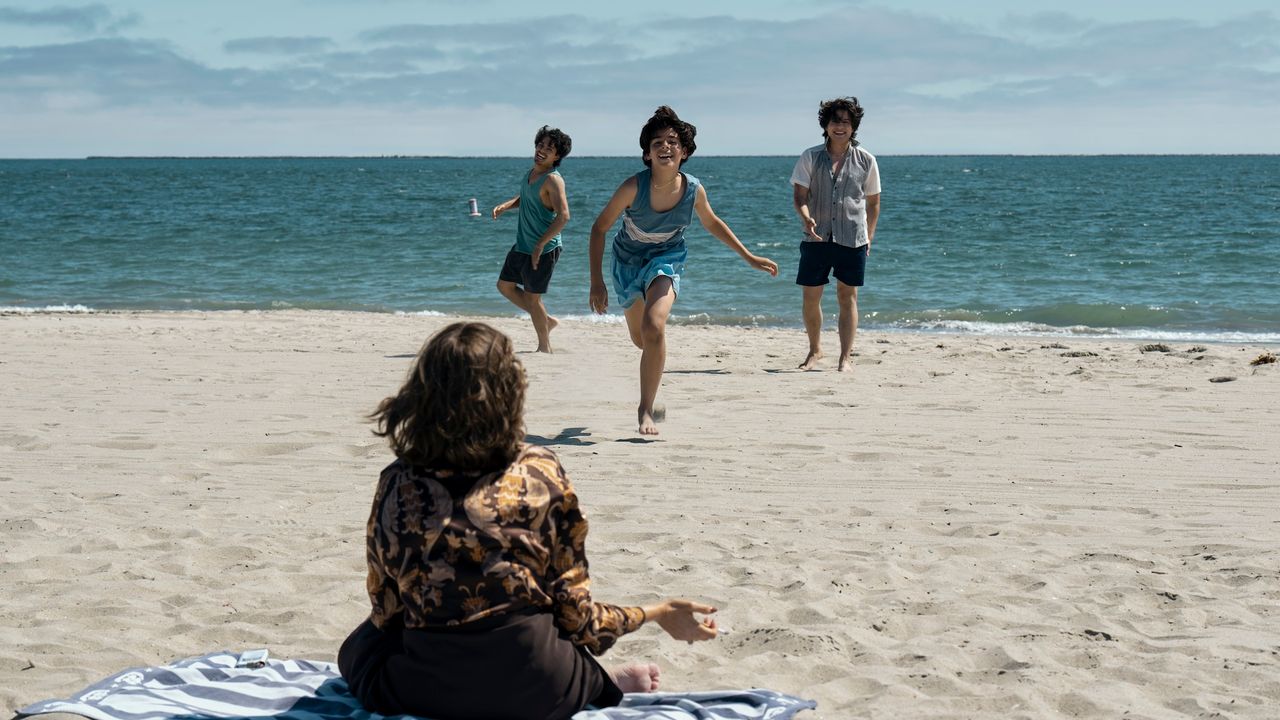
{"type": "Point", "coordinates": [646, 232]}
{"type": "Point", "coordinates": [535, 217]}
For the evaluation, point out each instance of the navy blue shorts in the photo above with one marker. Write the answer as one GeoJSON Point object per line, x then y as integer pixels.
{"type": "Point", "coordinates": [519, 269]}
{"type": "Point", "coordinates": [819, 260]}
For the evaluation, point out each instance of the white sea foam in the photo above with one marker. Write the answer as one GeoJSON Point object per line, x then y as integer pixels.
{"type": "Point", "coordinates": [1082, 331]}
{"type": "Point", "coordinates": [606, 319]}
{"type": "Point", "coordinates": [14, 309]}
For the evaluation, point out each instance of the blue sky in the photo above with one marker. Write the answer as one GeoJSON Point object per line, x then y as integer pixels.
{"type": "Point", "coordinates": [415, 77]}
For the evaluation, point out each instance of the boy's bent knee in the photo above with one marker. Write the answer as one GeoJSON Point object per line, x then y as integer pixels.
{"type": "Point", "coordinates": [637, 336]}
{"type": "Point", "coordinates": [652, 331]}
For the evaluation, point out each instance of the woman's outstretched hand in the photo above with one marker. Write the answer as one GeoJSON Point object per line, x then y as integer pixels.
{"type": "Point", "coordinates": [680, 619]}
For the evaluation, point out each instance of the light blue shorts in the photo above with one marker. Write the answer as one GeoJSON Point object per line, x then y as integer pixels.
{"type": "Point", "coordinates": [631, 279]}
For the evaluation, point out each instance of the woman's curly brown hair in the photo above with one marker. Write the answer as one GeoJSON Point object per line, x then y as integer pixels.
{"type": "Point", "coordinates": [462, 405]}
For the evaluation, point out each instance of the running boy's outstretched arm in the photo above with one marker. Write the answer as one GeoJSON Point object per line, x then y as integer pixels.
{"type": "Point", "coordinates": [721, 231]}
{"type": "Point", "coordinates": [621, 200]}
{"type": "Point", "coordinates": [508, 205]}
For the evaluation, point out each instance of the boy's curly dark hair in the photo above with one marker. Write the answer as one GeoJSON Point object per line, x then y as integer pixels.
{"type": "Point", "coordinates": [827, 110]}
{"type": "Point", "coordinates": [559, 140]}
{"type": "Point", "coordinates": [663, 118]}
{"type": "Point", "coordinates": [462, 405]}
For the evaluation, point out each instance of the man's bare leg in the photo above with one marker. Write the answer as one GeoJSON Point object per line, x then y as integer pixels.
{"type": "Point", "coordinates": [813, 325]}
{"type": "Point", "coordinates": [640, 677]}
{"type": "Point", "coordinates": [653, 354]}
{"type": "Point", "coordinates": [847, 295]}
{"type": "Point", "coordinates": [531, 303]}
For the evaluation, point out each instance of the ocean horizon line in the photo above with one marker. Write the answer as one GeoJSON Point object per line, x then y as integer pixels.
{"type": "Point", "coordinates": [413, 156]}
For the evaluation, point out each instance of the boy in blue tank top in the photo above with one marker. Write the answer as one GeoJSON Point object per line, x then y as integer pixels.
{"type": "Point", "coordinates": [656, 205]}
{"type": "Point", "coordinates": [544, 211]}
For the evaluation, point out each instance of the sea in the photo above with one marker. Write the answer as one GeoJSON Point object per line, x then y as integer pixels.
{"type": "Point", "coordinates": [1145, 247]}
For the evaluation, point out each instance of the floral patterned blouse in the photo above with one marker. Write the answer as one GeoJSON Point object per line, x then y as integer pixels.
{"type": "Point", "coordinates": [446, 548]}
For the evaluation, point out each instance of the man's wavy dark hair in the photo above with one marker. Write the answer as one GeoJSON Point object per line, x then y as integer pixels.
{"type": "Point", "coordinates": [559, 140]}
{"type": "Point", "coordinates": [462, 405]}
{"type": "Point", "coordinates": [663, 118]}
{"type": "Point", "coordinates": [827, 110]}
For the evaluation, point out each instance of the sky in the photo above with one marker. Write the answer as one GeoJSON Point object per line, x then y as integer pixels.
{"type": "Point", "coordinates": [427, 77]}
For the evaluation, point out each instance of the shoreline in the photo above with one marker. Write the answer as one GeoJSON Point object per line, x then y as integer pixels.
{"type": "Point", "coordinates": [966, 526]}
{"type": "Point", "coordinates": [973, 329]}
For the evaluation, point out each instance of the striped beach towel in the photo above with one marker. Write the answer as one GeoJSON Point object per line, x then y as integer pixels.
{"type": "Point", "coordinates": [213, 688]}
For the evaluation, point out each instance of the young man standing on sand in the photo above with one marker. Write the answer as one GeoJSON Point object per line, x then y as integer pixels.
{"type": "Point", "coordinates": [544, 211]}
{"type": "Point", "coordinates": [836, 193]}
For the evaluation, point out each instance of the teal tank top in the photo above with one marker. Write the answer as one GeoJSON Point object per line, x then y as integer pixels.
{"type": "Point", "coordinates": [535, 217]}
{"type": "Point", "coordinates": [646, 231]}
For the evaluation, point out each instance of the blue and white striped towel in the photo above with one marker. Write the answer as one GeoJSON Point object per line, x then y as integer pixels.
{"type": "Point", "coordinates": [213, 688]}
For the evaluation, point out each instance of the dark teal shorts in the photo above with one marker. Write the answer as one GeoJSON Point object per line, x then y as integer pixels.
{"type": "Point", "coordinates": [519, 269]}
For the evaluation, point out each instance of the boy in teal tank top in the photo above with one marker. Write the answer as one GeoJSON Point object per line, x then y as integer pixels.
{"type": "Point", "coordinates": [544, 211]}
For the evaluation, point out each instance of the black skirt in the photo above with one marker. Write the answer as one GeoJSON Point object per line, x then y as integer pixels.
{"type": "Point", "coordinates": [513, 667]}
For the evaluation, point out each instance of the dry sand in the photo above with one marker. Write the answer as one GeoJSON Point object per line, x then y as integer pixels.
{"type": "Point", "coordinates": [965, 527]}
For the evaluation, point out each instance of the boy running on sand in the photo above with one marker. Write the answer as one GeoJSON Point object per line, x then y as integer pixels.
{"type": "Point", "coordinates": [544, 211]}
{"type": "Point", "coordinates": [656, 205]}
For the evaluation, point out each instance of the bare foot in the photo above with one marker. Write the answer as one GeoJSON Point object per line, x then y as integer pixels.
{"type": "Point", "coordinates": [811, 361]}
{"type": "Point", "coordinates": [846, 364]}
{"type": "Point", "coordinates": [551, 325]}
{"type": "Point", "coordinates": [641, 677]}
{"type": "Point", "coordinates": [648, 426]}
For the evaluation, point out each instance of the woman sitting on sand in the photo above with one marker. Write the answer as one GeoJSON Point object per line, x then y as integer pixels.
{"type": "Point", "coordinates": [477, 557]}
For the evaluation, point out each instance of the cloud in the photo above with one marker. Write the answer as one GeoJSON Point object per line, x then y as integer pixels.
{"type": "Point", "coordinates": [117, 72]}
{"type": "Point", "coordinates": [743, 72]}
{"type": "Point", "coordinates": [524, 32]}
{"type": "Point", "coordinates": [83, 19]}
{"type": "Point", "coordinates": [278, 45]}
{"type": "Point", "coordinates": [578, 62]}
{"type": "Point", "coordinates": [1048, 23]}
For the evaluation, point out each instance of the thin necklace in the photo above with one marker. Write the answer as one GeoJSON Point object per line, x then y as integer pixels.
{"type": "Point", "coordinates": [665, 185]}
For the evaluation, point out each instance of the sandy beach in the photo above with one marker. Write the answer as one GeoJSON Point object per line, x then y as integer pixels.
{"type": "Point", "coordinates": [965, 527]}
